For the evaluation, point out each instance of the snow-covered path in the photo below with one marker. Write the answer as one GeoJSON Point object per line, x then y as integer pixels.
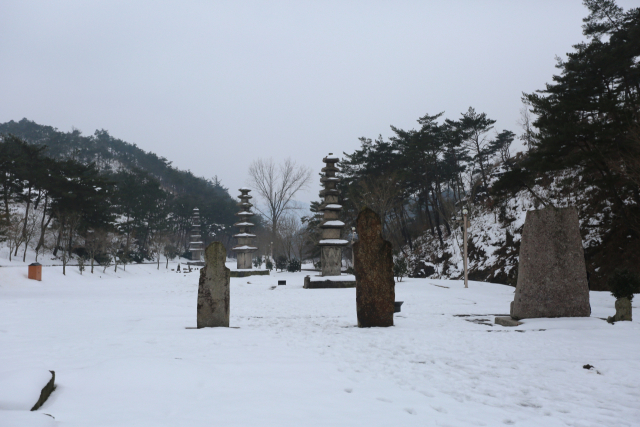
{"type": "Point", "coordinates": [125, 355]}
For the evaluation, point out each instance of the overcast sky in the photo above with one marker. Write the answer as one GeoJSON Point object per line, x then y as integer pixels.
{"type": "Point", "coordinates": [213, 85]}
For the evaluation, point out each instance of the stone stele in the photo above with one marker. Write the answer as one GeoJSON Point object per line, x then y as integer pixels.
{"type": "Point", "coordinates": [375, 287]}
{"type": "Point", "coordinates": [213, 289]}
{"type": "Point", "coordinates": [552, 275]}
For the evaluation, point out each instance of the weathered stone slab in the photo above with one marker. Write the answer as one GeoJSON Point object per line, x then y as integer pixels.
{"type": "Point", "coordinates": [328, 284]}
{"type": "Point", "coordinates": [552, 275]}
{"type": "Point", "coordinates": [507, 321]}
{"type": "Point", "coordinates": [247, 273]}
{"type": "Point", "coordinates": [623, 310]}
{"type": "Point", "coordinates": [213, 289]}
{"type": "Point", "coordinates": [375, 287]}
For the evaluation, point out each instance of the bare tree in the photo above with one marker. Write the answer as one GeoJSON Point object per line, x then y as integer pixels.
{"type": "Point", "coordinates": [14, 232]}
{"type": "Point", "coordinates": [291, 236]}
{"type": "Point", "coordinates": [526, 123]}
{"type": "Point", "coordinates": [277, 185]}
{"type": "Point", "coordinates": [157, 243]}
{"type": "Point", "coordinates": [29, 230]}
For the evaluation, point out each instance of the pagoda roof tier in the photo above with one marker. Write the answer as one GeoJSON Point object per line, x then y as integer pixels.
{"type": "Point", "coordinates": [334, 223]}
{"type": "Point", "coordinates": [330, 207]}
{"type": "Point", "coordinates": [331, 159]}
{"type": "Point", "coordinates": [330, 179]}
{"type": "Point", "coordinates": [244, 189]}
{"type": "Point", "coordinates": [245, 196]}
{"type": "Point", "coordinates": [330, 169]}
{"type": "Point", "coordinates": [244, 248]}
{"type": "Point", "coordinates": [245, 213]}
{"type": "Point", "coordinates": [333, 242]}
{"type": "Point", "coordinates": [243, 224]}
{"type": "Point", "coordinates": [244, 235]}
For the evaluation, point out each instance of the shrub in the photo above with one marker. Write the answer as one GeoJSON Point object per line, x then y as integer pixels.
{"type": "Point", "coordinates": [624, 283]}
{"type": "Point", "coordinates": [281, 263]}
{"type": "Point", "coordinates": [293, 266]}
{"type": "Point", "coordinates": [269, 264]}
{"type": "Point", "coordinates": [400, 268]}
{"type": "Point", "coordinates": [257, 261]}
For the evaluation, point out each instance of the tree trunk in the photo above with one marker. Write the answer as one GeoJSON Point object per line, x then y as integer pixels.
{"type": "Point", "coordinates": [26, 220]}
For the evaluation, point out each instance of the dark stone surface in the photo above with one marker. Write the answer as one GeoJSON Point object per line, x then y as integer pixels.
{"type": "Point", "coordinates": [623, 310]}
{"type": "Point", "coordinates": [552, 275]}
{"type": "Point", "coordinates": [213, 289]}
{"type": "Point", "coordinates": [328, 284]}
{"type": "Point", "coordinates": [375, 287]}
{"type": "Point", "coordinates": [46, 391]}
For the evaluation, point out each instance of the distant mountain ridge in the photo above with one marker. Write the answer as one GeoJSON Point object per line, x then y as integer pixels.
{"type": "Point", "coordinates": [112, 156]}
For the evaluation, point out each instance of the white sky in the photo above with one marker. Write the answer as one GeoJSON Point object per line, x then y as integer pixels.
{"type": "Point", "coordinates": [212, 85]}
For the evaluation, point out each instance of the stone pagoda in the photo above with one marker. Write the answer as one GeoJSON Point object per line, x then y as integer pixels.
{"type": "Point", "coordinates": [331, 244]}
{"type": "Point", "coordinates": [196, 245]}
{"type": "Point", "coordinates": [244, 249]}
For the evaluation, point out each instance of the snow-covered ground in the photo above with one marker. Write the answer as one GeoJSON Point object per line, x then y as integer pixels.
{"type": "Point", "coordinates": [125, 354]}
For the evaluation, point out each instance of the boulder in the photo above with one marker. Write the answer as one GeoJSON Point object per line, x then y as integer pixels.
{"type": "Point", "coordinates": [552, 275]}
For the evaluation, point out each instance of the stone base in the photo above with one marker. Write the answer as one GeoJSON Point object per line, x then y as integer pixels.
{"type": "Point", "coordinates": [507, 321]}
{"type": "Point", "coordinates": [331, 260]}
{"type": "Point", "coordinates": [623, 311]}
{"type": "Point", "coordinates": [246, 273]}
{"type": "Point", "coordinates": [328, 284]}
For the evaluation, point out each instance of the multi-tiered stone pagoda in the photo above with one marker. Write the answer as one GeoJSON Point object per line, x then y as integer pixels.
{"type": "Point", "coordinates": [331, 244]}
{"type": "Point", "coordinates": [196, 245]}
{"type": "Point", "coordinates": [245, 247]}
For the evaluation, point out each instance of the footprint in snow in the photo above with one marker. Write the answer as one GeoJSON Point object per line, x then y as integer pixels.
{"type": "Point", "coordinates": [410, 411]}
{"type": "Point", "coordinates": [348, 390]}
{"type": "Point", "coordinates": [382, 399]}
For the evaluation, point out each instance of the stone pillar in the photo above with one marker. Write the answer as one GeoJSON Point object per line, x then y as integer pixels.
{"type": "Point", "coordinates": [552, 274]}
{"type": "Point", "coordinates": [375, 287]}
{"type": "Point", "coordinates": [196, 245]}
{"type": "Point", "coordinates": [330, 243]}
{"type": "Point", "coordinates": [245, 247]}
{"type": "Point", "coordinates": [213, 288]}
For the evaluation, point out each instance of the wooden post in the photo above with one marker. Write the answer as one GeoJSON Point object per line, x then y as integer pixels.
{"type": "Point", "coordinates": [466, 275]}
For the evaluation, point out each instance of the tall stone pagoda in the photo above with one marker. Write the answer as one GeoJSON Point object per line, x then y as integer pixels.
{"type": "Point", "coordinates": [244, 249]}
{"type": "Point", "coordinates": [196, 245]}
{"type": "Point", "coordinates": [331, 244]}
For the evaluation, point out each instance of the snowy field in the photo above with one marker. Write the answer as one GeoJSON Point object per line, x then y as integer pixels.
{"type": "Point", "coordinates": [125, 354]}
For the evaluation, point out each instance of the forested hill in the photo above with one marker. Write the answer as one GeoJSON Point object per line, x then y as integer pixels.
{"type": "Point", "coordinates": [144, 177]}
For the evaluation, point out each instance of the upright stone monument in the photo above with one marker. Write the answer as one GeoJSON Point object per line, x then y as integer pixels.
{"type": "Point", "coordinates": [375, 287]}
{"type": "Point", "coordinates": [552, 275]}
{"type": "Point", "coordinates": [245, 247]}
{"type": "Point", "coordinates": [196, 245]}
{"type": "Point", "coordinates": [331, 244]}
{"type": "Point", "coordinates": [213, 288]}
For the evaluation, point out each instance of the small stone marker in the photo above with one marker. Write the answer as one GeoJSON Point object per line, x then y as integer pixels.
{"type": "Point", "coordinates": [552, 275]}
{"type": "Point", "coordinates": [623, 310]}
{"type": "Point", "coordinates": [375, 287]}
{"type": "Point", "coordinates": [507, 321]}
{"type": "Point", "coordinates": [213, 288]}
